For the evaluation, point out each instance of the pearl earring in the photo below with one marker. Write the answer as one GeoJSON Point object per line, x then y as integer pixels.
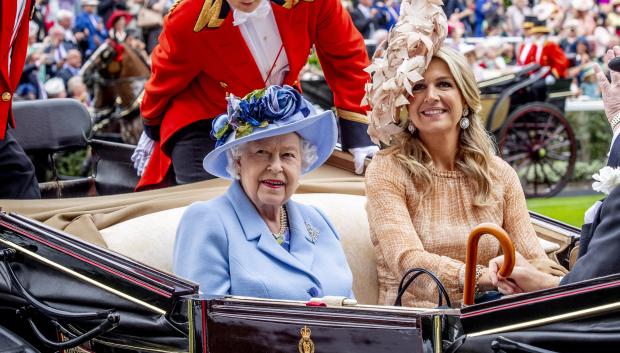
{"type": "Point", "coordinates": [464, 122]}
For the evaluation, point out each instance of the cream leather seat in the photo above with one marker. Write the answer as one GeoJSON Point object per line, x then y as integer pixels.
{"type": "Point", "coordinates": [150, 238]}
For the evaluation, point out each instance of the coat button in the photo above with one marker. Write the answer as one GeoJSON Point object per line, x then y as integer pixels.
{"type": "Point", "coordinates": [223, 84]}
{"type": "Point", "coordinates": [6, 96]}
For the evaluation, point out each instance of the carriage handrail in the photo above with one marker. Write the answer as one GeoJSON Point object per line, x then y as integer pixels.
{"type": "Point", "coordinates": [508, 76]}
{"type": "Point", "coordinates": [44, 308]}
{"type": "Point", "coordinates": [512, 89]}
{"type": "Point", "coordinates": [508, 250]}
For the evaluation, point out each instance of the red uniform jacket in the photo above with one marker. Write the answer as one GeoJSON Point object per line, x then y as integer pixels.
{"type": "Point", "coordinates": [9, 81]}
{"type": "Point", "coordinates": [201, 57]}
{"type": "Point", "coordinates": [529, 58]}
{"type": "Point", "coordinates": [553, 56]}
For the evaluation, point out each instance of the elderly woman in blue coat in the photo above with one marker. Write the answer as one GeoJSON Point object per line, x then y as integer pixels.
{"type": "Point", "coordinates": [255, 241]}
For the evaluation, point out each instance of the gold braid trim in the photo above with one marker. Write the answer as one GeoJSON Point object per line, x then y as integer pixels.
{"type": "Point", "coordinates": [289, 4]}
{"type": "Point", "coordinates": [351, 116]}
{"type": "Point", "coordinates": [209, 15]}
{"type": "Point", "coordinates": [174, 6]}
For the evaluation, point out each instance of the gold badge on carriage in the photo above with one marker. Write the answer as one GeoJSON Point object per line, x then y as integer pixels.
{"type": "Point", "coordinates": [305, 343]}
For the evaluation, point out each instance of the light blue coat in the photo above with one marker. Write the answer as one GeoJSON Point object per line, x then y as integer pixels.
{"type": "Point", "coordinates": [225, 246]}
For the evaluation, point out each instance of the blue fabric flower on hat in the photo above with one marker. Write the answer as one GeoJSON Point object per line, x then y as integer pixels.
{"type": "Point", "coordinates": [221, 129]}
{"type": "Point", "coordinates": [282, 102]}
{"type": "Point", "coordinates": [257, 109]}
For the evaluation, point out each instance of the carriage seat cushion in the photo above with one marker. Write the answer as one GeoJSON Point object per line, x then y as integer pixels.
{"type": "Point", "coordinates": [150, 238]}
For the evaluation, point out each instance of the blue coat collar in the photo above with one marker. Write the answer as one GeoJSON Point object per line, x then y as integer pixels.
{"type": "Point", "coordinates": [302, 248]}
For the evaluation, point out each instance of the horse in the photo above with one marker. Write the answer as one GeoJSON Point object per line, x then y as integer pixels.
{"type": "Point", "coordinates": [116, 73]}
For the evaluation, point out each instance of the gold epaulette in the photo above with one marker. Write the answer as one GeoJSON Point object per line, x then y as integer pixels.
{"type": "Point", "coordinates": [351, 116]}
{"type": "Point", "coordinates": [288, 4]}
{"type": "Point", "coordinates": [174, 6]}
{"type": "Point", "coordinates": [209, 15]}
{"type": "Point", "coordinates": [211, 12]}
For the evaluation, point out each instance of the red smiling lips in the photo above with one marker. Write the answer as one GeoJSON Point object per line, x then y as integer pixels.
{"type": "Point", "coordinates": [272, 183]}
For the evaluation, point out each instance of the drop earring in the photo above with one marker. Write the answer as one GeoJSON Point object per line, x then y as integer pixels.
{"type": "Point", "coordinates": [464, 122]}
{"type": "Point", "coordinates": [411, 128]}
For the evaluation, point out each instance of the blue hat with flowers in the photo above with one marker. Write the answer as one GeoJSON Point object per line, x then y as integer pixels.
{"type": "Point", "coordinates": [271, 111]}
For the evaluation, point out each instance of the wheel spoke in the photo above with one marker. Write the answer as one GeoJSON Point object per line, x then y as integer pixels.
{"type": "Point", "coordinates": [513, 146]}
{"type": "Point", "coordinates": [559, 157]}
{"type": "Point", "coordinates": [537, 142]}
{"type": "Point", "coordinates": [536, 179]}
{"type": "Point", "coordinates": [524, 177]}
{"type": "Point", "coordinates": [561, 144]}
{"type": "Point", "coordinates": [514, 157]}
{"type": "Point", "coordinates": [552, 168]}
{"type": "Point", "coordinates": [546, 128]}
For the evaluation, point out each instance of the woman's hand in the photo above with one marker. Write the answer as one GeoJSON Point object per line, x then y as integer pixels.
{"type": "Point", "coordinates": [496, 263]}
{"type": "Point", "coordinates": [524, 277]}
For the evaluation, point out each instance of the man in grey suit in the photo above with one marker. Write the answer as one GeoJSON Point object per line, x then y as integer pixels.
{"type": "Point", "coordinates": [600, 236]}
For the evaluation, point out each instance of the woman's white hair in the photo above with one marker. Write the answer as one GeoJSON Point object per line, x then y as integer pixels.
{"type": "Point", "coordinates": [308, 157]}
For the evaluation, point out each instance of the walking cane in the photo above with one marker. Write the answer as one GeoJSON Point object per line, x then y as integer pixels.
{"type": "Point", "coordinates": [508, 250]}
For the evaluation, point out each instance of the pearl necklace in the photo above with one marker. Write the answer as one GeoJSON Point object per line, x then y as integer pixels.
{"type": "Point", "coordinates": [279, 236]}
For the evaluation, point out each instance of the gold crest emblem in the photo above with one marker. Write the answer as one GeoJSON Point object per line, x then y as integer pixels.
{"type": "Point", "coordinates": [305, 343]}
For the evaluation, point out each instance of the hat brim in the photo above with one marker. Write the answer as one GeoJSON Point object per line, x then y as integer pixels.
{"type": "Point", "coordinates": [320, 130]}
{"type": "Point", "coordinates": [540, 29]}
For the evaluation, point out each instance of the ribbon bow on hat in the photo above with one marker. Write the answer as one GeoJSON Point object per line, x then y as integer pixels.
{"type": "Point", "coordinates": [261, 11]}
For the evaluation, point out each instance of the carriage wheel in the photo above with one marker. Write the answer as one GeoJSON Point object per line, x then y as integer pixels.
{"type": "Point", "coordinates": [538, 142]}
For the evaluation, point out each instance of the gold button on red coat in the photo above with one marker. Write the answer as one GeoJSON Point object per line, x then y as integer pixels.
{"type": "Point", "coordinates": [6, 96]}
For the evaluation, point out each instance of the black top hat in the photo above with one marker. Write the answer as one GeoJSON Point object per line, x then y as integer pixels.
{"type": "Point", "coordinates": [539, 26]}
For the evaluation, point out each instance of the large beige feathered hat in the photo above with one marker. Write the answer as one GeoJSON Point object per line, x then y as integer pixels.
{"type": "Point", "coordinates": [411, 44]}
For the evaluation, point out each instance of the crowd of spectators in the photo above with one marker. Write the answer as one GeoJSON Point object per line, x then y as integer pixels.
{"type": "Point", "coordinates": [491, 32]}
{"type": "Point", "coordinates": [64, 34]}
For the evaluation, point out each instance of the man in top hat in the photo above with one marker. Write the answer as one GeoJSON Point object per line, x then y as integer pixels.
{"type": "Point", "coordinates": [527, 50]}
{"type": "Point", "coordinates": [548, 53]}
{"type": "Point", "coordinates": [89, 27]}
{"type": "Point", "coordinates": [17, 178]}
{"type": "Point", "coordinates": [211, 48]}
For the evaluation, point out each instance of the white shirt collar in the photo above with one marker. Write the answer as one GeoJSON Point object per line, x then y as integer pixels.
{"type": "Point", "coordinates": [263, 9]}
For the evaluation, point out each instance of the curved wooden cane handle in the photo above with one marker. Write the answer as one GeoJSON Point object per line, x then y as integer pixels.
{"type": "Point", "coordinates": [508, 250]}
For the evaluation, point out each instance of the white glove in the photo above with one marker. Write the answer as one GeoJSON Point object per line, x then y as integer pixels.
{"type": "Point", "coordinates": [549, 80]}
{"type": "Point", "coordinates": [142, 154]}
{"type": "Point", "coordinates": [360, 154]}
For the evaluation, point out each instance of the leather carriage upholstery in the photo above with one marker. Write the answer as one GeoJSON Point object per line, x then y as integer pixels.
{"type": "Point", "coordinates": [346, 212]}
{"type": "Point", "coordinates": [46, 128]}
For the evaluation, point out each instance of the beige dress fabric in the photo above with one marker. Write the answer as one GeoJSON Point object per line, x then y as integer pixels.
{"type": "Point", "coordinates": [432, 233]}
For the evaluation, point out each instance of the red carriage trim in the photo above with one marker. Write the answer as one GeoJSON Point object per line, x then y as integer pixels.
{"type": "Point", "coordinates": [204, 325]}
{"type": "Point", "coordinates": [541, 299]}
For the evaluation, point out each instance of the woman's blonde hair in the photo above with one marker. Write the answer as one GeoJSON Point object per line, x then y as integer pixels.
{"type": "Point", "coordinates": [475, 148]}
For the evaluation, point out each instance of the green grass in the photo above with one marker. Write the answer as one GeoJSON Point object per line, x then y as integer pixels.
{"type": "Point", "coordinates": [566, 209]}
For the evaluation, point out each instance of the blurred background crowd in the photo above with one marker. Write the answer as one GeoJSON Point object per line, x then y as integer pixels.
{"type": "Point", "coordinates": [492, 33]}
{"type": "Point", "coordinates": [65, 35]}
